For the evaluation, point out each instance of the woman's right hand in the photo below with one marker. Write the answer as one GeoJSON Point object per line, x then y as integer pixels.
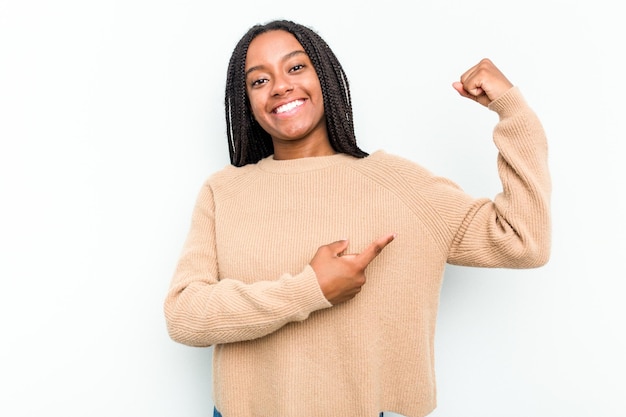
{"type": "Point", "coordinates": [341, 276]}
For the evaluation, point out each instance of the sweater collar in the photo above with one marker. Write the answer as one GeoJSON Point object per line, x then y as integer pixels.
{"type": "Point", "coordinates": [292, 166]}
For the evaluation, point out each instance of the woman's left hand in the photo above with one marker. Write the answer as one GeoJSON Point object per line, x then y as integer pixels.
{"type": "Point", "coordinates": [483, 83]}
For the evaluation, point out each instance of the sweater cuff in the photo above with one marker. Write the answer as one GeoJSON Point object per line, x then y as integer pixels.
{"type": "Point", "coordinates": [509, 103]}
{"type": "Point", "coordinates": [311, 296]}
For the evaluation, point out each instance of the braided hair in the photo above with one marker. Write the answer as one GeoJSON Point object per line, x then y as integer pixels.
{"type": "Point", "coordinates": [248, 143]}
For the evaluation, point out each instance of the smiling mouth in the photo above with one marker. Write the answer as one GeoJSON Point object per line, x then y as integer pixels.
{"type": "Point", "coordinates": [289, 106]}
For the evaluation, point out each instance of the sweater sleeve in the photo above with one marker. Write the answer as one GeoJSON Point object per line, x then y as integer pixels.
{"type": "Point", "coordinates": [513, 229]}
{"type": "Point", "coordinates": [202, 309]}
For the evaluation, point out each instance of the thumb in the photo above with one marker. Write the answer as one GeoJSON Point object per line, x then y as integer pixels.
{"type": "Point", "coordinates": [338, 246]}
{"type": "Point", "coordinates": [471, 93]}
{"type": "Point", "coordinates": [458, 86]}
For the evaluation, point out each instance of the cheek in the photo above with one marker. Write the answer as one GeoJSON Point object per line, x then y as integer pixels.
{"type": "Point", "coordinates": [257, 114]}
{"type": "Point", "coordinates": [255, 106]}
{"type": "Point", "coordinates": [314, 85]}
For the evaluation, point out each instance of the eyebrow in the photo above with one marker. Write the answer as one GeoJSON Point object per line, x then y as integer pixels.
{"type": "Point", "coordinates": [286, 57]}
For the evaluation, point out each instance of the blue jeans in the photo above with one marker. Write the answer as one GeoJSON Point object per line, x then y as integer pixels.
{"type": "Point", "coordinates": [217, 413]}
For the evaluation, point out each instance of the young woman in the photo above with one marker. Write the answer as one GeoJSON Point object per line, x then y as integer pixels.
{"type": "Point", "coordinates": [315, 268]}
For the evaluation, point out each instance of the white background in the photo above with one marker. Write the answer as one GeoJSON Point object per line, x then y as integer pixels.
{"type": "Point", "coordinates": [111, 117]}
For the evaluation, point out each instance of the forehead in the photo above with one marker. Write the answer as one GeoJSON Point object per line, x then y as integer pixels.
{"type": "Point", "coordinates": [271, 46]}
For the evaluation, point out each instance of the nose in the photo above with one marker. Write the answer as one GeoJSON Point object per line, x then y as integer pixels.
{"type": "Point", "coordinates": [282, 85]}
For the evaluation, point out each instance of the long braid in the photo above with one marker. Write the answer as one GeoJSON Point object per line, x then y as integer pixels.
{"type": "Point", "coordinates": [248, 143]}
{"type": "Point", "coordinates": [245, 138]}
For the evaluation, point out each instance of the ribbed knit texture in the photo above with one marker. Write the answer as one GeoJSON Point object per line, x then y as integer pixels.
{"type": "Point", "coordinates": [243, 282]}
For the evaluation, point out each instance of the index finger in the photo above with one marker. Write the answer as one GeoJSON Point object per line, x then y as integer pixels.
{"type": "Point", "coordinates": [374, 249]}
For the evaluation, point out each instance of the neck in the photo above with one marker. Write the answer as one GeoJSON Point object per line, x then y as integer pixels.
{"type": "Point", "coordinates": [301, 149]}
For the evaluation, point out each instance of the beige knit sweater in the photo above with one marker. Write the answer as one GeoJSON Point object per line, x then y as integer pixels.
{"type": "Point", "coordinates": [243, 282]}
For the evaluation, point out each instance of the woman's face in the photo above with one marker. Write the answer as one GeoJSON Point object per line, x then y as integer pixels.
{"type": "Point", "coordinates": [284, 91]}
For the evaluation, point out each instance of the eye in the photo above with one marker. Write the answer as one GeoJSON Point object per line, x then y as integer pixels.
{"type": "Point", "coordinates": [296, 68]}
{"type": "Point", "coordinates": [260, 81]}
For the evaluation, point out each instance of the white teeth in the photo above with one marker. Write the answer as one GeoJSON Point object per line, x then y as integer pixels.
{"type": "Point", "coordinates": [289, 106]}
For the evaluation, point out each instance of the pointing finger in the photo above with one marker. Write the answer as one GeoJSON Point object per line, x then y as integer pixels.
{"type": "Point", "coordinates": [374, 249]}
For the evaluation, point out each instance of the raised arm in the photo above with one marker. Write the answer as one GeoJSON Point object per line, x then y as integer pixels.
{"type": "Point", "coordinates": [513, 230]}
